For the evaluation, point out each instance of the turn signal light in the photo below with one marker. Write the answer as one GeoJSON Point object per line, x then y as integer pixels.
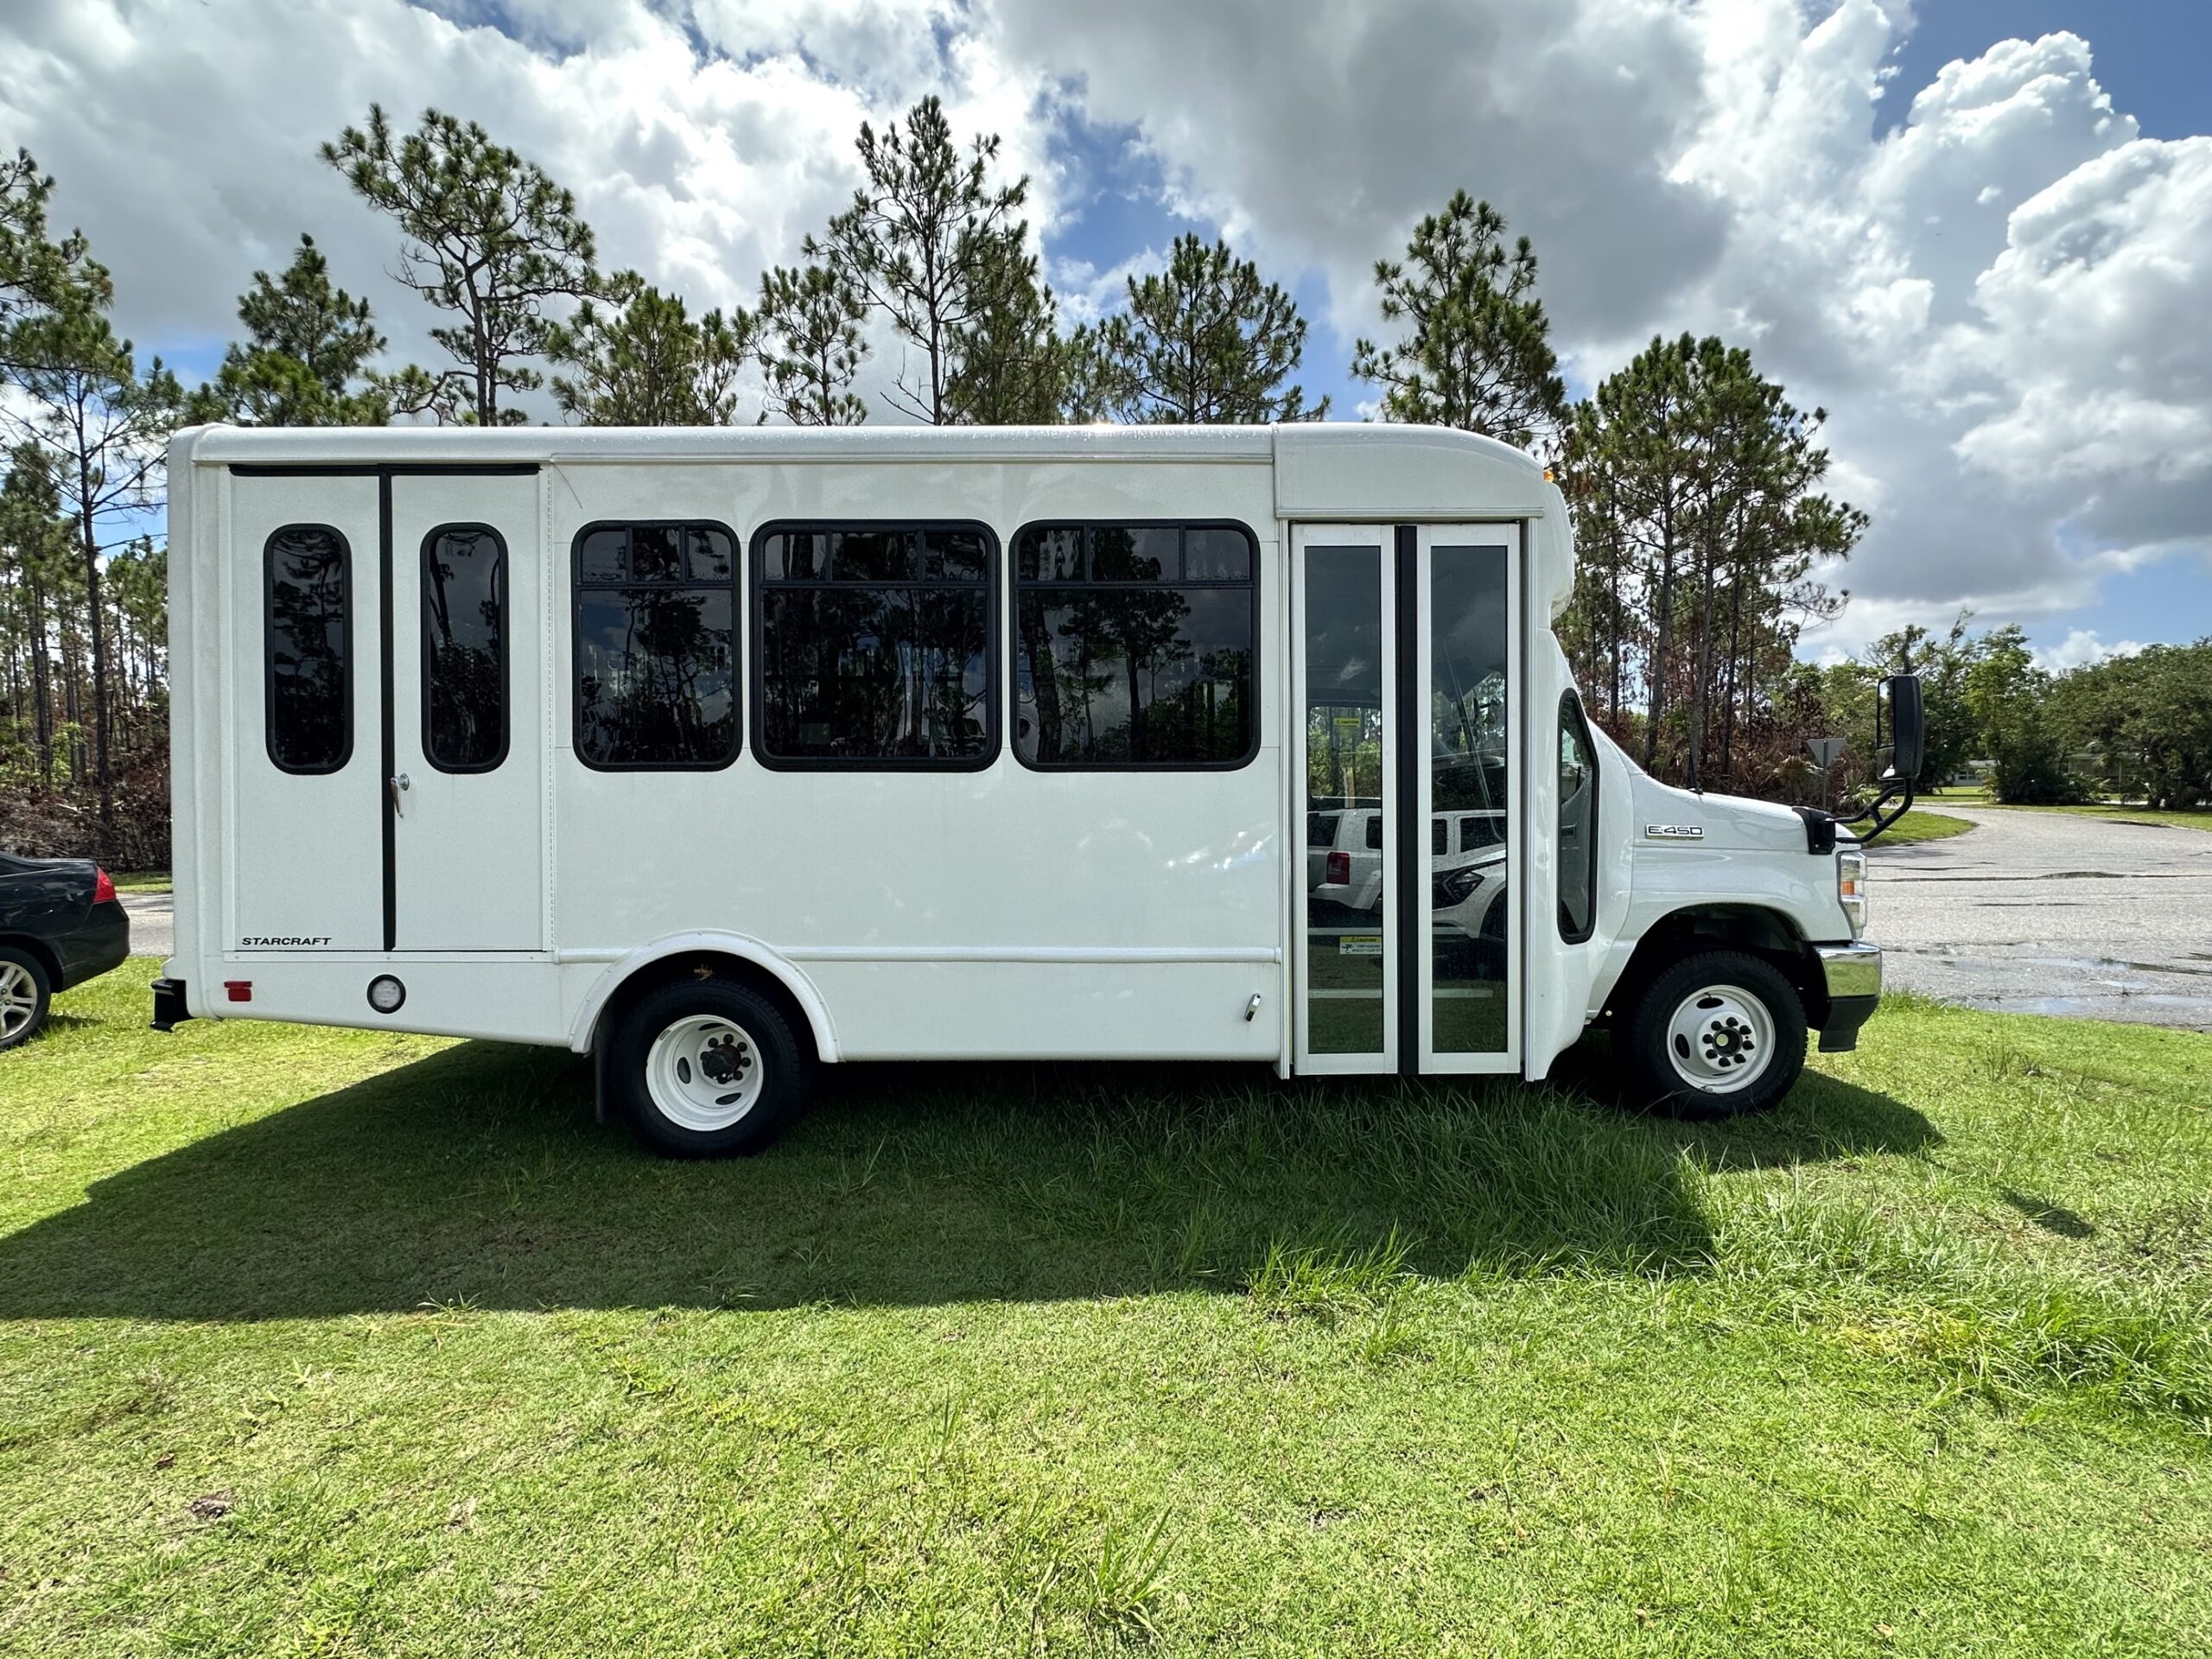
{"type": "Point", "coordinates": [1338, 872]}
{"type": "Point", "coordinates": [103, 886]}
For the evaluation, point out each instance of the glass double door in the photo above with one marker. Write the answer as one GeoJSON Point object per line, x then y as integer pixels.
{"type": "Point", "coordinates": [1406, 657]}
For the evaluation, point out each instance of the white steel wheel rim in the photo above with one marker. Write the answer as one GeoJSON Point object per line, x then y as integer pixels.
{"type": "Point", "coordinates": [1720, 1039]}
{"type": "Point", "coordinates": [18, 1000]}
{"type": "Point", "coordinates": [704, 1073]}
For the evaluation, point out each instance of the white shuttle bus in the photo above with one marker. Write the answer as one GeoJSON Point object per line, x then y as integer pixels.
{"type": "Point", "coordinates": [722, 755]}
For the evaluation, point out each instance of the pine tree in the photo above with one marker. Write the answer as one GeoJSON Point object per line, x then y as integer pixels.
{"type": "Point", "coordinates": [647, 363]}
{"type": "Point", "coordinates": [1476, 353]}
{"type": "Point", "coordinates": [307, 344]}
{"type": "Point", "coordinates": [810, 344]}
{"type": "Point", "coordinates": [1204, 341]}
{"type": "Point", "coordinates": [921, 240]}
{"type": "Point", "coordinates": [487, 236]}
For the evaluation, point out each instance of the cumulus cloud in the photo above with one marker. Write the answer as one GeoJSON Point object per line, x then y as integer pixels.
{"type": "Point", "coordinates": [2080, 648]}
{"type": "Point", "coordinates": [1999, 302]}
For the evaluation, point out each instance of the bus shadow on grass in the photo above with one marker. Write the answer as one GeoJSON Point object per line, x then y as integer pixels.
{"type": "Point", "coordinates": [477, 1177]}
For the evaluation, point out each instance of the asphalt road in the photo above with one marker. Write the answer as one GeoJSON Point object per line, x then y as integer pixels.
{"type": "Point", "coordinates": [2051, 913]}
{"type": "Point", "coordinates": [153, 923]}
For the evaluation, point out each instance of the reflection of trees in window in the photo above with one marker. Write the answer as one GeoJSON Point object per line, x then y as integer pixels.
{"type": "Point", "coordinates": [875, 645]}
{"type": "Point", "coordinates": [1467, 690]}
{"type": "Point", "coordinates": [1136, 645]}
{"type": "Point", "coordinates": [309, 587]}
{"type": "Point", "coordinates": [464, 648]}
{"type": "Point", "coordinates": [656, 645]}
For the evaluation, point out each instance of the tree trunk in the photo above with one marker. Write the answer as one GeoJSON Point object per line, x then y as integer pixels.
{"type": "Point", "coordinates": [41, 686]}
{"type": "Point", "coordinates": [89, 538]}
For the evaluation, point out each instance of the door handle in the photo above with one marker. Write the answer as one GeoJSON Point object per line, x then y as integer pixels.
{"type": "Point", "coordinates": [398, 786]}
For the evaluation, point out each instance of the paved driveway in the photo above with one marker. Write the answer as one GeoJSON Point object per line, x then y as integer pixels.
{"type": "Point", "coordinates": [2050, 913]}
{"type": "Point", "coordinates": [153, 923]}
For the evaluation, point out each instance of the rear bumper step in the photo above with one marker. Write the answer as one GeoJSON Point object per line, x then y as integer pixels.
{"type": "Point", "coordinates": [170, 1010]}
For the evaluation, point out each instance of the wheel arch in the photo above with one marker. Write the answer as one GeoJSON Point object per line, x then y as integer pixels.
{"type": "Point", "coordinates": [41, 952]}
{"type": "Point", "coordinates": [733, 955]}
{"type": "Point", "coordinates": [1760, 929]}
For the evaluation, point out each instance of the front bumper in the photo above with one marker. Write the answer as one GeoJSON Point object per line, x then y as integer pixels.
{"type": "Point", "coordinates": [1852, 976]}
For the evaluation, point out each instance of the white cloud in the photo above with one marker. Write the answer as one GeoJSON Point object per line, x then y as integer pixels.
{"type": "Point", "coordinates": [2081, 647]}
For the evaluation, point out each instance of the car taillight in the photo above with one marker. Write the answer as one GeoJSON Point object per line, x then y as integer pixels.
{"type": "Point", "coordinates": [103, 886]}
{"type": "Point", "coordinates": [1340, 870]}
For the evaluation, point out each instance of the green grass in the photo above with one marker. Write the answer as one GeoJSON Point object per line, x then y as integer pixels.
{"type": "Point", "coordinates": [2193, 818]}
{"type": "Point", "coordinates": [1917, 826]}
{"type": "Point", "coordinates": [327, 1342]}
{"type": "Point", "coordinates": [141, 880]}
{"type": "Point", "coordinates": [2187, 818]}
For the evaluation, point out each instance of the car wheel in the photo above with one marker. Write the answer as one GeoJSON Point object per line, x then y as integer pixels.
{"type": "Point", "coordinates": [1717, 1034]}
{"type": "Point", "coordinates": [708, 1069]}
{"type": "Point", "coordinates": [25, 995]}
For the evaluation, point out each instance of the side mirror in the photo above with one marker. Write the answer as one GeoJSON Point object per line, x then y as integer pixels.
{"type": "Point", "coordinates": [1900, 726]}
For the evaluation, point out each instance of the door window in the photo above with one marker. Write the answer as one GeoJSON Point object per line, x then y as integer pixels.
{"type": "Point", "coordinates": [1468, 723]}
{"type": "Point", "coordinates": [309, 590]}
{"type": "Point", "coordinates": [464, 648]}
{"type": "Point", "coordinates": [1344, 920]}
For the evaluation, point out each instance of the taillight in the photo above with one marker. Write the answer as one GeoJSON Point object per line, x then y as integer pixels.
{"type": "Point", "coordinates": [103, 886]}
{"type": "Point", "coordinates": [1340, 870]}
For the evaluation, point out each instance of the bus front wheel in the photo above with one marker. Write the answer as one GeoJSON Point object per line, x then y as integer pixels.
{"type": "Point", "coordinates": [1718, 1033]}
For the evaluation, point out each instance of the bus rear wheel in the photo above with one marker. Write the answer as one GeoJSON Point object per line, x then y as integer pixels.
{"type": "Point", "coordinates": [708, 1068]}
{"type": "Point", "coordinates": [1719, 1033]}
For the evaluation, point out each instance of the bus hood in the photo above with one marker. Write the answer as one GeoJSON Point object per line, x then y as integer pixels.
{"type": "Point", "coordinates": [1665, 816]}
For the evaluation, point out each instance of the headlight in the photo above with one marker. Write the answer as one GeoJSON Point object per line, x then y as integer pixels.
{"type": "Point", "coordinates": [1456, 888]}
{"type": "Point", "coordinates": [1851, 888]}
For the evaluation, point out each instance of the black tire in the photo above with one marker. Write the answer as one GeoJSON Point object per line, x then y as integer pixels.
{"type": "Point", "coordinates": [1682, 1067]}
{"type": "Point", "coordinates": [697, 1017]}
{"type": "Point", "coordinates": [20, 968]}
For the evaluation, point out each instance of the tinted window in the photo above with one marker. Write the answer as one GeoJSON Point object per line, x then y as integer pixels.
{"type": "Point", "coordinates": [1320, 829]}
{"type": "Point", "coordinates": [875, 646]}
{"type": "Point", "coordinates": [656, 645]}
{"type": "Point", "coordinates": [308, 587]}
{"type": "Point", "coordinates": [1577, 824]}
{"type": "Point", "coordinates": [464, 648]}
{"type": "Point", "coordinates": [1136, 644]}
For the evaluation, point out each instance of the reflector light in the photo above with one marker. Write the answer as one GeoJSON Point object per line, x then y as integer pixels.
{"type": "Point", "coordinates": [103, 886]}
{"type": "Point", "coordinates": [386, 993]}
{"type": "Point", "coordinates": [239, 990]}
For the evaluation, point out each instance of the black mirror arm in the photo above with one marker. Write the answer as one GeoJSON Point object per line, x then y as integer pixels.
{"type": "Point", "coordinates": [1901, 791]}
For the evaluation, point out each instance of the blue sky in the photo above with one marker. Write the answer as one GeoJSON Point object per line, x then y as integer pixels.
{"type": "Point", "coordinates": [2000, 304]}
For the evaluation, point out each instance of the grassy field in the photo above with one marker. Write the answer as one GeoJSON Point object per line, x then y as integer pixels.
{"type": "Point", "coordinates": [321, 1342]}
{"type": "Point", "coordinates": [141, 880]}
{"type": "Point", "coordinates": [2192, 819]}
{"type": "Point", "coordinates": [1918, 825]}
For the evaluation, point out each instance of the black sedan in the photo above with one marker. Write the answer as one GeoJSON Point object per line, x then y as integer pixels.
{"type": "Point", "coordinates": [61, 925]}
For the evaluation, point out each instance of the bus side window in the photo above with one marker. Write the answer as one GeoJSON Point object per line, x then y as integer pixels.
{"type": "Point", "coordinates": [1577, 824]}
{"type": "Point", "coordinates": [656, 647]}
{"type": "Point", "coordinates": [1135, 645]}
{"type": "Point", "coordinates": [874, 646]}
